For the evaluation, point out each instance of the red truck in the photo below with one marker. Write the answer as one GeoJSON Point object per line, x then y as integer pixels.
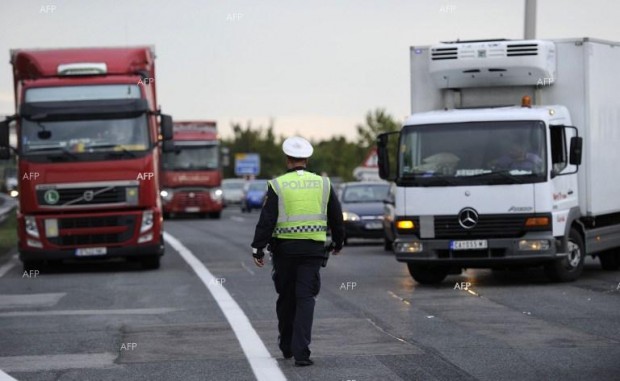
{"type": "Point", "coordinates": [191, 176]}
{"type": "Point", "coordinates": [88, 151]}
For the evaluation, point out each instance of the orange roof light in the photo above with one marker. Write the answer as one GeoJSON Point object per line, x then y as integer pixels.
{"type": "Point", "coordinates": [526, 101]}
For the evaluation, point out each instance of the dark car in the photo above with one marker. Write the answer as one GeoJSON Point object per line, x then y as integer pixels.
{"type": "Point", "coordinates": [363, 208]}
{"type": "Point", "coordinates": [253, 195]}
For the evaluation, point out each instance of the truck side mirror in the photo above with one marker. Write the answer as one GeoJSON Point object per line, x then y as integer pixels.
{"type": "Point", "coordinates": [382, 155]}
{"type": "Point", "coordinates": [167, 146]}
{"type": "Point", "coordinates": [166, 127]}
{"type": "Point", "coordinates": [5, 149]}
{"type": "Point", "coordinates": [576, 144]}
{"type": "Point", "coordinates": [384, 146]}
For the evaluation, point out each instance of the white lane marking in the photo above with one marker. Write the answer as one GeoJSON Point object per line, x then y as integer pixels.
{"type": "Point", "coordinates": [57, 362]}
{"type": "Point", "coordinates": [6, 377]}
{"type": "Point", "coordinates": [247, 268]}
{"type": "Point", "coordinates": [237, 218]}
{"type": "Point", "coordinates": [135, 311]}
{"type": "Point", "coordinates": [30, 300]}
{"type": "Point", "coordinates": [264, 366]}
{"type": "Point", "coordinates": [8, 266]}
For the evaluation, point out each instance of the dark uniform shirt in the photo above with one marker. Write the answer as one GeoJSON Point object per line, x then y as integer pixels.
{"type": "Point", "coordinates": [296, 247]}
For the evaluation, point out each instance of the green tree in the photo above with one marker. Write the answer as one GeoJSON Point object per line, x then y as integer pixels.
{"type": "Point", "coordinates": [376, 122]}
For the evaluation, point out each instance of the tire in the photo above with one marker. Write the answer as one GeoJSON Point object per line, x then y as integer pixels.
{"type": "Point", "coordinates": [570, 267]}
{"type": "Point", "coordinates": [151, 262]}
{"type": "Point", "coordinates": [427, 274]}
{"type": "Point", "coordinates": [388, 245]}
{"type": "Point", "coordinates": [166, 216]}
{"type": "Point", "coordinates": [215, 215]}
{"type": "Point", "coordinates": [610, 260]}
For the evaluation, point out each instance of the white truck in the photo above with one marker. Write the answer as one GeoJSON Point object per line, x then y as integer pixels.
{"type": "Point", "coordinates": [489, 170]}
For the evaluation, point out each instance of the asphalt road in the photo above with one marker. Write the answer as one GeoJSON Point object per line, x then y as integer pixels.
{"type": "Point", "coordinates": [113, 321]}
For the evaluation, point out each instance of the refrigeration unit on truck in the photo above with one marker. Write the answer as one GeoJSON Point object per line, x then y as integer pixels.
{"type": "Point", "coordinates": [191, 178]}
{"type": "Point", "coordinates": [88, 133]}
{"type": "Point", "coordinates": [510, 158]}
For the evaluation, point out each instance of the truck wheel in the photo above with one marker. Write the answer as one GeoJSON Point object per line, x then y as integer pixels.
{"type": "Point", "coordinates": [570, 267]}
{"type": "Point", "coordinates": [150, 263]}
{"type": "Point", "coordinates": [387, 244]}
{"type": "Point", "coordinates": [610, 260]}
{"type": "Point", "coordinates": [215, 215]}
{"type": "Point", "coordinates": [427, 274]}
{"type": "Point", "coordinates": [166, 216]}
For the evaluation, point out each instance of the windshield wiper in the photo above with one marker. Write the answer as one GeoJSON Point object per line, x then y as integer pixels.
{"type": "Point", "coordinates": [504, 174]}
{"type": "Point", "coordinates": [64, 151]}
{"type": "Point", "coordinates": [122, 149]}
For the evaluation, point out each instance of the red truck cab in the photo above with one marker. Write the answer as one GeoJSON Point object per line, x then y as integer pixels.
{"type": "Point", "coordinates": [88, 154]}
{"type": "Point", "coordinates": [191, 176]}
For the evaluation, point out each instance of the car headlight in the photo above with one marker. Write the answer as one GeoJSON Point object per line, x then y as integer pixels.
{"type": "Point", "coordinates": [348, 216]}
{"type": "Point", "coordinates": [216, 194]}
{"type": "Point", "coordinates": [147, 221]}
{"type": "Point", "coordinates": [166, 194]}
{"type": "Point", "coordinates": [31, 226]}
{"type": "Point", "coordinates": [13, 193]}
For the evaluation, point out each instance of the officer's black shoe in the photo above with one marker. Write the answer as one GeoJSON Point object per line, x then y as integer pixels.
{"type": "Point", "coordinates": [306, 362]}
{"type": "Point", "coordinates": [287, 354]}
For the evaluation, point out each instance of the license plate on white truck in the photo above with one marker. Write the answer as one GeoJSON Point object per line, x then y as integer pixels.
{"type": "Point", "coordinates": [90, 251]}
{"type": "Point", "coordinates": [469, 245]}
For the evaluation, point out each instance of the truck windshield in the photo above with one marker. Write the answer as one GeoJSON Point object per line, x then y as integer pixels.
{"type": "Point", "coordinates": [84, 136]}
{"type": "Point", "coordinates": [192, 158]}
{"type": "Point", "coordinates": [474, 153]}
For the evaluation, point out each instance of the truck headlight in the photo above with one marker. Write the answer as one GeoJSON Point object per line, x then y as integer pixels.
{"type": "Point", "coordinates": [216, 194]}
{"type": "Point", "coordinates": [166, 194]}
{"type": "Point", "coordinates": [348, 216]}
{"type": "Point", "coordinates": [31, 226]}
{"type": "Point", "coordinates": [533, 244]}
{"type": "Point", "coordinates": [147, 221]}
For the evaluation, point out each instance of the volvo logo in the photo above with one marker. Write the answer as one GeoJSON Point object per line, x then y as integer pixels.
{"type": "Point", "coordinates": [88, 195]}
{"type": "Point", "coordinates": [468, 218]}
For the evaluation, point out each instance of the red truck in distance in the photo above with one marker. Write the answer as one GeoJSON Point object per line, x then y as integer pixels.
{"type": "Point", "coordinates": [191, 177]}
{"type": "Point", "coordinates": [88, 151]}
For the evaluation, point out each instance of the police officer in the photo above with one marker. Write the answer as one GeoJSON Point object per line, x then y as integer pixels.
{"type": "Point", "coordinates": [298, 209]}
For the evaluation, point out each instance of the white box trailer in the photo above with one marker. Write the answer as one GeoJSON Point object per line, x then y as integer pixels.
{"type": "Point", "coordinates": [469, 92]}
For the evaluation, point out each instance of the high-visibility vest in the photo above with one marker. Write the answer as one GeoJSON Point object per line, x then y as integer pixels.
{"type": "Point", "coordinates": [302, 205]}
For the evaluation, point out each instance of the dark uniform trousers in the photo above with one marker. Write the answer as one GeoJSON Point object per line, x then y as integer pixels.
{"type": "Point", "coordinates": [298, 282]}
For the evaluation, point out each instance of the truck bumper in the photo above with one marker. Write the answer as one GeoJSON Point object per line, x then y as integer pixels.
{"type": "Point", "coordinates": [112, 252]}
{"type": "Point", "coordinates": [192, 202]}
{"type": "Point", "coordinates": [500, 251]}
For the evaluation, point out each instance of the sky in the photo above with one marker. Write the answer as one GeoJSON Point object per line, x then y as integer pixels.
{"type": "Point", "coordinates": [314, 67]}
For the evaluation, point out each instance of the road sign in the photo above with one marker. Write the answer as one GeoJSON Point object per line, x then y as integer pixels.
{"type": "Point", "coordinates": [247, 164]}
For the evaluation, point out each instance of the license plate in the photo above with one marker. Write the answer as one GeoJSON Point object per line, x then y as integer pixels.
{"type": "Point", "coordinates": [192, 209]}
{"type": "Point", "coordinates": [374, 225]}
{"type": "Point", "coordinates": [469, 245]}
{"type": "Point", "coordinates": [91, 251]}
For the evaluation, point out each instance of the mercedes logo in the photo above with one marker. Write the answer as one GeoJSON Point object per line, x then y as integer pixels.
{"type": "Point", "coordinates": [468, 218]}
{"type": "Point", "coordinates": [89, 195]}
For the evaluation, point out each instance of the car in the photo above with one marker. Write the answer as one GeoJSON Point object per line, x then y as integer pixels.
{"type": "Point", "coordinates": [233, 191]}
{"type": "Point", "coordinates": [363, 208]}
{"type": "Point", "coordinates": [9, 184]}
{"type": "Point", "coordinates": [253, 195]}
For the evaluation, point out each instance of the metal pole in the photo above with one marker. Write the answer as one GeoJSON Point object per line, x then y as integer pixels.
{"type": "Point", "coordinates": [529, 28]}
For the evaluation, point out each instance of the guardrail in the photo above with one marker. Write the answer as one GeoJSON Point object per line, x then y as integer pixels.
{"type": "Point", "coordinates": [7, 204]}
